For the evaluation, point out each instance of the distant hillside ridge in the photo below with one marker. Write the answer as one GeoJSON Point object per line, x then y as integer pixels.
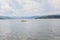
{"type": "Point", "coordinates": [31, 17]}
{"type": "Point", "coordinates": [48, 16]}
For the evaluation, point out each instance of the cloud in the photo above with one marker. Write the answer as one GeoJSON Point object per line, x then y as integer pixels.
{"type": "Point", "coordinates": [25, 7]}
{"type": "Point", "coordinates": [29, 7]}
{"type": "Point", "coordinates": [55, 3]}
{"type": "Point", "coordinates": [4, 5]}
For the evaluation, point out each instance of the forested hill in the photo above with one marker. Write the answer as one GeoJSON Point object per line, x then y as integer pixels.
{"type": "Point", "coordinates": [47, 17]}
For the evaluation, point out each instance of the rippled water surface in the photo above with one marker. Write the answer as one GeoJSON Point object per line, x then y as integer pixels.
{"type": "Point", "coordinates": [30, 29]}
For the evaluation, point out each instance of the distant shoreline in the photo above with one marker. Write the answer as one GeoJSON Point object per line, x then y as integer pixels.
{"type": "Point", "coordinates": [32, 17]}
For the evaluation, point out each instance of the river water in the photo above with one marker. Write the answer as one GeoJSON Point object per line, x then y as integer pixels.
{"type": "Point", "coordinates": [30, 29]}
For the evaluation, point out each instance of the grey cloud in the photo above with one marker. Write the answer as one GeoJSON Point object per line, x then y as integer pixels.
{"type": "Point", "coordinates": [35, 7]}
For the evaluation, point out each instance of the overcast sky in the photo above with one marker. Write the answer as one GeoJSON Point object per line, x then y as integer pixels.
{"type": "Point", "coordinates": [29, 7]}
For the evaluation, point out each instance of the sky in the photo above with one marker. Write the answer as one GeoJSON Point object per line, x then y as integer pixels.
{"type": "Point", "coordinates": [29, 7]}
